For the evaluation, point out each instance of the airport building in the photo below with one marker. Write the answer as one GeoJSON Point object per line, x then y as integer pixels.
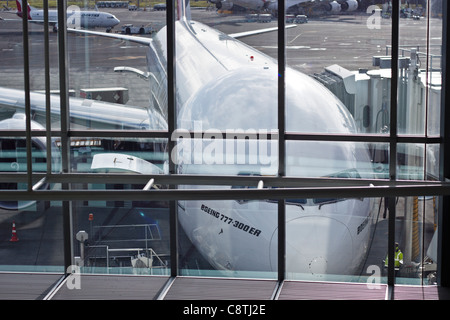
{"type": "Point", "coordinates": [225, 157]}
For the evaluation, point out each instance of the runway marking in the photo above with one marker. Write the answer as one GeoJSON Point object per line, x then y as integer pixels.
{"type": "Point", "coordinates": [295, 38]}
{"type": "Point", "coordinates": [287, 47]}
{"type": "Point", "coordinates": [121, 58]}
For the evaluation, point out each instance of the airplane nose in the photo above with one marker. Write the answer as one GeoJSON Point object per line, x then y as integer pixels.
{"type": "Point", "coordinates": [316, 245]}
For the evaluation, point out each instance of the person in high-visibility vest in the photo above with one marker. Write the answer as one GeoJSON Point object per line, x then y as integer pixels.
{"type": "Point", "coordinates": [398, 256]}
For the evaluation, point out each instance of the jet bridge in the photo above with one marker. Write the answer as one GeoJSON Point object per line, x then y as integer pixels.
{"type": "Point", "coordinates": [366, 95]}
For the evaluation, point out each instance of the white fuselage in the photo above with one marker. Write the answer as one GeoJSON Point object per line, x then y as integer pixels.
{"type": "Point", "coordinates": [223, 84]}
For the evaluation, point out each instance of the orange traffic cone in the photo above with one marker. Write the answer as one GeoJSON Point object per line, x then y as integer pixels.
{"type": "Point", "coordinates": [14, 237]}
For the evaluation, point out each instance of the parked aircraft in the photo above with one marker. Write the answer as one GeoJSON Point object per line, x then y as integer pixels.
{"type": "Point", "coordinates": [291, 5]}
{"type": "Point", "coordinates": [75, 17]}
{"type": "Point", "coordinates": [227, 86]}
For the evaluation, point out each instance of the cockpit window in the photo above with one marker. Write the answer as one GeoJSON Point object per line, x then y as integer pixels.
{"type": "Point", "coordinates": [325, 200]}
{"type": "Point", "coordinates": [296, 201]}
{"type": "Point", "coordinates": [345, 174]}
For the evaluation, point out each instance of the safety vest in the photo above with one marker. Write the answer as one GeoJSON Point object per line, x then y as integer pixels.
{"type": "Point", "coordinates": [398, 259]}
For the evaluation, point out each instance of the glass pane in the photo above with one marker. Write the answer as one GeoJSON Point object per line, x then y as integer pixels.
{"type": "Point", "coordinates": [434, 67]}
{"type": "Point", "coordinates": [229, 92]}
{"type": "Point", "coordinates": [227, 82]}
{"type": "Point", "coordinates": [345, 160]}
{"type": "Point", "coordinates": [338, 80]}
{"type": "Point", "coordinates": [116, 82]}
{"type": "Point", "coordinates": [418, 161]}
{"type": "Point", "coordinates": [12, 53]}
{"type": "Point", "coordinates": [416, 237]}
{"type": "Point", "coordinates": [13, 67]}
{"type": "Point", "coordinates": [121, 237]}
{"type": "Point", "coordinates": [228, 153]}
{"type": "Point", "coordinates": [123, 155]}
{"type": "Point", "coordinates": [336, 239]}
{"type": "Point", "coordinates": [420, 46]}
{"type": "Point", "coordinates": [340, 47]}
{"type": "Point", "coordinates": [228, 238]}
{"type": "Point", "coordinates": [33, 241]}
{"type": "Point", "coordinates": [13, 159]}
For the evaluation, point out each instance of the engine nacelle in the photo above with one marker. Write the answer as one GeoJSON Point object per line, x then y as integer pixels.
{"type": "Point", "coordinates": [334, 7]}
{"type": "Point", "coordinates": [13, 157]}
{"type": "Point", "coordinates": [224, 5]}
{"type": "Point", "coordinates": [349, 5]}
{"type": "Point", "coordinates": [272, 5]}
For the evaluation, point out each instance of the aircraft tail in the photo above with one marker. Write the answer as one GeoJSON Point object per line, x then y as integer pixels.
{"type": "Point", "coordinates": [183, 9]}
{"type": "Point", "coordinates": [20, 11]}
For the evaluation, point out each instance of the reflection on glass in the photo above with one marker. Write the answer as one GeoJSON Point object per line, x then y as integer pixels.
{"type": "Point", "coordinates": [411, 163]}
{"type": "Point", "coordinates": [226, 155]}
{"type": "Point", "coordinates": [226, 86]}
{"type": "Point", "coordinates": [121, 237]}
{"type": "Point", "coordinates": [418, 161]}
{"type": "Point", "coordinates": [420, 43]}
{"type": "Point", "coordinates": [117, 101]}
{"type": "Point", "coordinates": [434, 67]}
{"type": "Point", "coordinates": [341, 46]}
{"type": "Point", "coordinates": [231, 238]}
{"type": "Point", "coordinates": [33, 237]}
{"type": "Point", "coordinates": [416, 236]}
{"type": "Point", "coordinates": [13, 159]}
{"type": "Point", "coordinates": [125, 86]}
{"type": "Point", "coordinates": [126, 155]}
{"type": "Point", "coordinates": [345, 160]}
{"type": "Point", "coordinates": [332, 239]}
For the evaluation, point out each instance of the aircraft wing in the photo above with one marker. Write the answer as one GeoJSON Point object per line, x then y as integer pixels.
{"type": "Point", "coordinates": [83, 111]}
{"type": "Point", "coordinates": [104, 114]}
{"type": "Point", "coordinates": [260, 31]}
{"type": "Point", "coordinates": [144, 40]}
{"type": "Point", "coordinates": [51, 22]}
{"type": "Point", "coordinates": [137, 39]}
